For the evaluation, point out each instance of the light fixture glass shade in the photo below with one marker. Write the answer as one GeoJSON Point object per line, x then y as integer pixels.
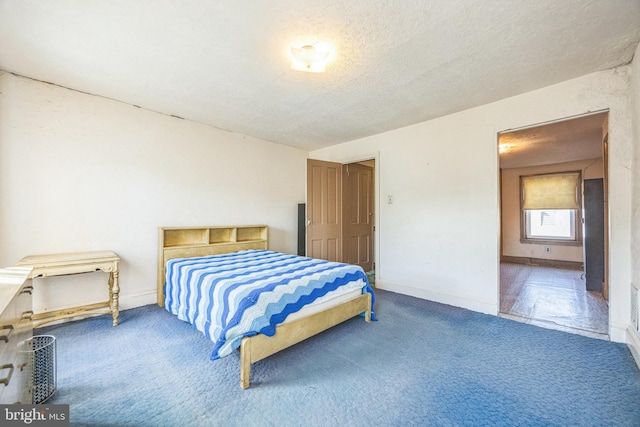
{"type": "Point", "coordinates": [308, 58]}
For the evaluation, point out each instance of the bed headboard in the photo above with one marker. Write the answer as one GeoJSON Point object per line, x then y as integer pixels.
{"type": "Point", "coordinates": [185, 242]}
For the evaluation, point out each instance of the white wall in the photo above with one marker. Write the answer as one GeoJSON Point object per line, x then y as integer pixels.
{"type": "Point", "coordinates": [634, 337]}
{"type": "Point", "coordinates": [81, 172]}
{"type": "Point", "coordinates": [440, 237]}
{"type": "Point", "coordinates": [510, 212]}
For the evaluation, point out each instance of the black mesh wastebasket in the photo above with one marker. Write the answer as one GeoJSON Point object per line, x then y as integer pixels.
{"type": "Point", "coordinates": [42, 360]}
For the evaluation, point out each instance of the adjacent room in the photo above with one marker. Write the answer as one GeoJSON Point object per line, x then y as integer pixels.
{"type": "Point", "coordinates": [321, 213]}
{"type": "Point", "coordinates": [553, 229]}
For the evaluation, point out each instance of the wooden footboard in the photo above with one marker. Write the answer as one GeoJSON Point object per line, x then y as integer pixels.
{"type": "Point", "coordinates": [259, 346]}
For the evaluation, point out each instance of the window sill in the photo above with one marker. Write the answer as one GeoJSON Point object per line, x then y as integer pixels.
{"type": "Point", "coordinates": [551, 242]}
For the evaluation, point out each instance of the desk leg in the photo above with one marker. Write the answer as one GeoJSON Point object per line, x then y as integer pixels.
{"type": "Point", "coordinates": [114, 290]}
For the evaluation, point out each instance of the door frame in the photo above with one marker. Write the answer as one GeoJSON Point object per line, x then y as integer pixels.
{"type": "Point", "coordinates": [606, 184]}
{"type": "Point", "coordinates": [375, 156]}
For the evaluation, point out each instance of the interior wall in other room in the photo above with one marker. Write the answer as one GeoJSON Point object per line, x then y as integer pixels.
{"type": "Point", "coordinates": [440, 238]}
{"type": "Point", "coordinates": [510, 214]}
{"type": "Point", "coordinates": [81, 172]}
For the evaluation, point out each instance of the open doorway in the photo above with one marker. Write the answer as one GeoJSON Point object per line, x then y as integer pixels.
{"type": "Point", "coordinates": [553, 264]}
{"type": "Point", "coordinates": [341, 212]}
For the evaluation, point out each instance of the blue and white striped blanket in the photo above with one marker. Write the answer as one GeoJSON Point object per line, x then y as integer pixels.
{"type": "Point", "coordinates": [231, 296]}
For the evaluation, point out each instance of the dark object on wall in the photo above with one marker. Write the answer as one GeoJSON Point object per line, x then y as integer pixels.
{"type": "Point", "coordinates": [302, 229]}
{"type": "Point", "coordinates": [594, 233]}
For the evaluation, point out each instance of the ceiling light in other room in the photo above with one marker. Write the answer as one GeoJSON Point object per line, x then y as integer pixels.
{"type": "Point", "coordinates": [503, 148]}
{"type": "Point", "coordinates": [309, 58]}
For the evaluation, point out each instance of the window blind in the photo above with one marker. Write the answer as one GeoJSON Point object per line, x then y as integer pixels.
{"type": "Point", "coordinates": [556, 191]}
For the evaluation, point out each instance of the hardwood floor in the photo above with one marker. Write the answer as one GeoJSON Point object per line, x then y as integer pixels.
{"type": "Point", "coordinates": [552, 298]}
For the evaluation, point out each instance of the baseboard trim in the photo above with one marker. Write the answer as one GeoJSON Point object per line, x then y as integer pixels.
{"type": "Point", "coordinates": [479, 306]}
{"type": "Point", "coordinates": [569, 265]}
{"type": "Point", "coordinates": [633, 342]}
{"type": "Point", "coordinates": [137, 300]}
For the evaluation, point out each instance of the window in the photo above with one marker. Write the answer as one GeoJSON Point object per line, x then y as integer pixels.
{"type": "Point", "coordinates": [550, 224]}
{"type": "Point", "coordinates": [551, 208]}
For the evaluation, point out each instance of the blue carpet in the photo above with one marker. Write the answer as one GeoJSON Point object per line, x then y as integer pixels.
{"type": "Point", "coordinates": [422, 363]}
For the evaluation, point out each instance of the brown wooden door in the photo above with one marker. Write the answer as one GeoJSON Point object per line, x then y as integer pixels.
{"type": "Point", "coordinates": [358, 215]}
{"type": "Point", "coordinates": [324, 210]}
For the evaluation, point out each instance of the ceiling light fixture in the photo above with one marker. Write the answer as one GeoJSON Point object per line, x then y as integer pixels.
{"type": "Point", "coordinates": [309, 58]}
{"type": "Point", "coordinates": [503, 148]}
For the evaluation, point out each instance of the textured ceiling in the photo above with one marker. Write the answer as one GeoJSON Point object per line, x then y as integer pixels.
{"type": "Point", "coordinates": [397, 62]}
{"type": "Point", "coordinates": [559, 142]}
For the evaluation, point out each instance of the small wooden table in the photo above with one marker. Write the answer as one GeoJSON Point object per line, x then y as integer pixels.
{"type": "Point", "coordinates": [74, 263]}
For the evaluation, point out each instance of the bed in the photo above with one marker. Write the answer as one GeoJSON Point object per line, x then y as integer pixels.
{"type": "Point", "coordinates": [227, 284]}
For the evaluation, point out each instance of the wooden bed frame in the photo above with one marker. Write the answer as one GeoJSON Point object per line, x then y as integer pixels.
{"type": "Point", "coordinates": [184, 242]}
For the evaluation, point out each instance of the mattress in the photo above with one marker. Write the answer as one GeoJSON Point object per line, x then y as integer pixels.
{"type": "Point", "coordinates": [230, 296]}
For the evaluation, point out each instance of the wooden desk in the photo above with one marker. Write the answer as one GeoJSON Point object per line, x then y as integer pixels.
{"type": "Point", "coordinates": [74, 263]}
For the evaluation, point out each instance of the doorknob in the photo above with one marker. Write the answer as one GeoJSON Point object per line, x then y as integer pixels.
{"type": "Point", "coordinates": [308, 222]}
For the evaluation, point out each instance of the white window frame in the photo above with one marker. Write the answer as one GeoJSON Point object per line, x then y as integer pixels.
{"type": "Point", "coordinates": [572, 226]}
